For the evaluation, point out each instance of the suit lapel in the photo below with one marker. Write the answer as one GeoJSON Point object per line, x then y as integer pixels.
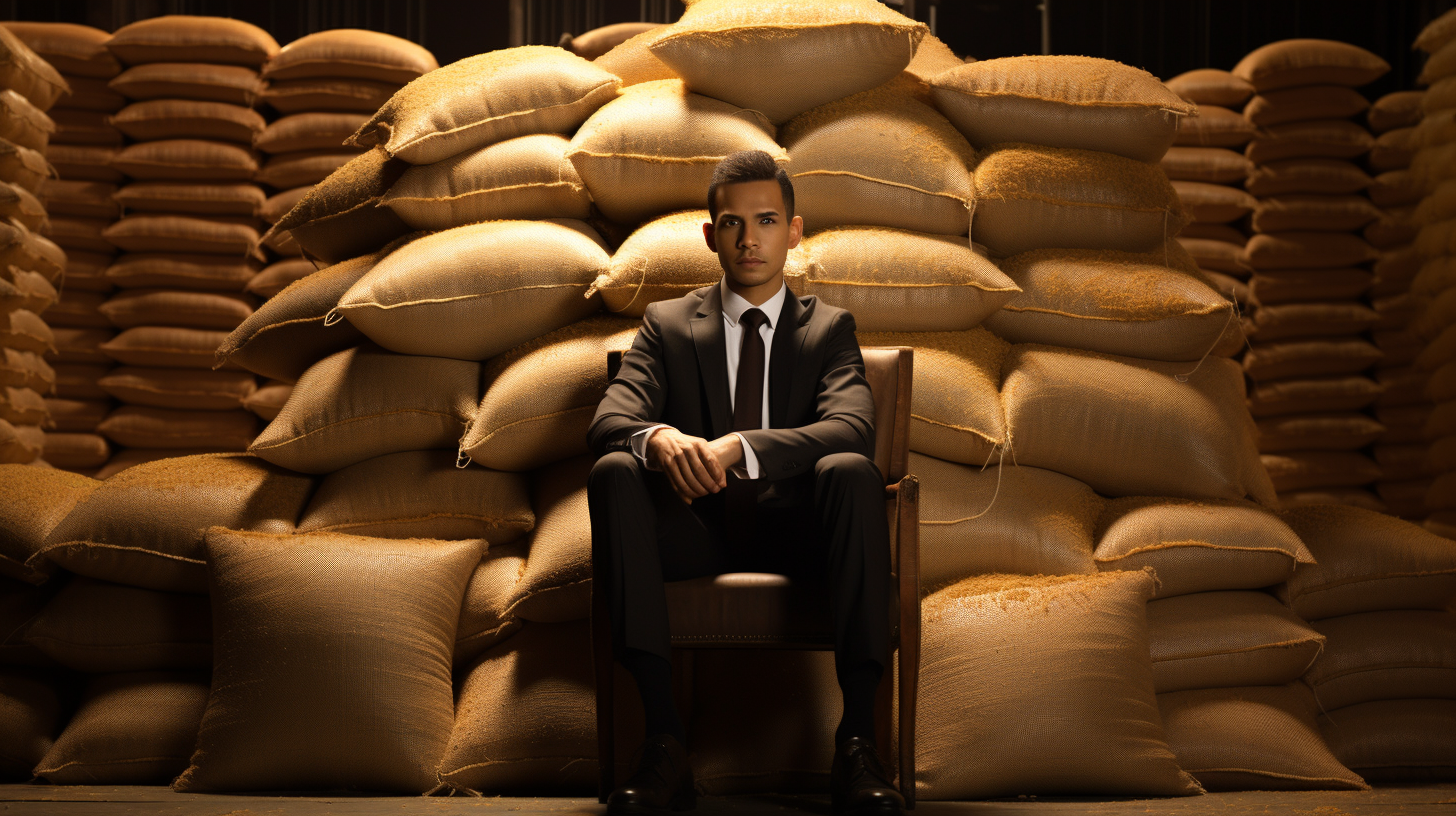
{"type": "Point", "coordinates": [788, 339]}
{"type": "Point", "coordinates": [707, 329]}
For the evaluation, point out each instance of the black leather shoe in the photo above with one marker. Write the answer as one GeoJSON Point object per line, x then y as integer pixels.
{"type": "Point", "coordinates": [858, 783]}
{"type": "Point", "coordinates": [663, 781]}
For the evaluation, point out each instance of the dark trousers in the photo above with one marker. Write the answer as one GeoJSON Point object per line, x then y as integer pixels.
{"type": "Point", "coordinates": [650, 536]}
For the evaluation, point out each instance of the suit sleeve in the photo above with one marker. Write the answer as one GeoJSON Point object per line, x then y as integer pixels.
{"type": "Point", "coordinates": [635, 398]}
{"type": "Point", "coordinates": [843, 404]}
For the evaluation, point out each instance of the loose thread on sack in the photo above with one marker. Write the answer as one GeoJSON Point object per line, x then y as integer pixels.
{"type": "Point", "coordinates": [1233, 315]}
{"type": "Point", "coordinates": [1000, 465]}
{"type": "Point", "coordinates": [334, 316]}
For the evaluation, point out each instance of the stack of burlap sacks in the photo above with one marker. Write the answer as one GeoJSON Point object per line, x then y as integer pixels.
{"type": "Point", "coordinates": [80, 204]}
{"type": "Point", "coordinates": [31, 266]}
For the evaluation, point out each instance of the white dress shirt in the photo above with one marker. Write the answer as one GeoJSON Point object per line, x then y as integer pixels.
{"type": "Point", "coordinates": [734, 305]}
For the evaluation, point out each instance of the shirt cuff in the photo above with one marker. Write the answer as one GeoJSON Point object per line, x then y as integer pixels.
{"type": "Point", "coordinates": [749, 465]}
{"type": "Point", "coordinates": [639, 443]}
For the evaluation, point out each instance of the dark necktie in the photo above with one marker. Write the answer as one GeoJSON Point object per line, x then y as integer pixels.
{"type": "Point", "coordinates": [742, 498]}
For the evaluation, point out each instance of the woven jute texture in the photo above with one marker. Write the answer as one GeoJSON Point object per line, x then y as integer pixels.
{"type": "Point", "coordinates": [133, 728]}
{"type": "Point", "coordinates": [187, 159]}
{"type": "Point", "coordinates": [182, 271]}
{"type": "Point", "coordinates": [633, 61]}
{"type": "Point", "coordinates": [1262, 738]}
{"type": "Point", "coordinates": [880, 158]}
{"type": "Point", "coordinates": [1215, 203]}
{"type": "Point", "coordinates": [1227, 639]}
{"type": "Point", "coordinates": [1288, 63]}
{"type": "Point", "coordinates": [332, 661]}
{"type": "Point", "coordinates": [526, 717]}
{"type": "Point", "coordinates": [288, 96]}
{"type": "Point", "coordinates": [144, 526]}
{"type": "Point", "coordinates": [1133, 304]}
{"type": "Point", "coordinates": [1307, 250]}
{"type": "Point", "coordinates": [524, 178]}
{"type": "Point", "coordinates": [653, 150]}
{"type": "Point", "coordinates": [1394, 740]}
{"type": "Point", "coordinates": [420, 494]}
{"type": "Point", "coordinates": [1215, 126]}
{"type": "Point", "coordinates": [308, 131]}
{"type": "Point", "coordinates": [36, 500]}
{"type": "Point", "coordinates": [96, 626]}
{"type": "Point", "coordinates": [1131, 427]}
{"type": "Point", "coordinates": [933, 283]}
{"type": "Point", "coordinates": [488, 98]}
{"type": "Point", "coordinates": [485, 615]}
{"type": "Point", "coordinates": [1318, 138]}
{"type": "Point", "coordinates": [540, 396]}
{"type": "Point", "coordinates": [178, 387]}
{"type": "Point", "coordinates": [23, 71]}
{"type": "Point", "coordinates": [24, 167]}
{"type": "Point", "coordinates": [1310, 358]}
{"type": "Point", "coordinates": [30, 716]}
{"type": "Point", "coordinates": [351, 52]}
{"type": "Point", "coordinates": [555, 583]}
{"type": "Point", "coordinates": [238, 199]}
{"type": "Point", "coordinates": [22, 406]}
{"type": "Point", "coordinates": [1062, 101]}
{"type": "Point", "coordinates": [740, 51]}
{"type": "Point", "coordinates": [303, 167]}
{"type": "Point", "coordinates": [1298, 104]}
{"type": "Point", "coordinates": [1321, 469]}
{"type": "Point", "coordinates": [26, 369]}
{"type": "Point", "coordinates": [137, 426]}
{"type": "Point", "coordinates": [1367, 562]}
{"type": "Point", "coordinates": [365, 402]}
{"type": "Point", "coordinates": [22, 123]}
{"type": "Point", "coordinates": [185, 38]}
{"type": "Point", "coordinates": [340, 218]}
{"type": "Point", "coordinates": [496, 284]}
{"type": "Point", "coordinates": [1395, 655]}
{"type": "Point", "coordinates": [22, 205]}
{"type": "Point", "coordinates": [188, 119]}
{"type": "Point", "coordinates": [1276, 286]}
{"type": "Point", "coordinates": [164, 347]}
{"type": "Point", "coordinates": [1325, 431]}
{"type": "Point", "coordinates": [956, 411]}
{"type": "Point", "coordinates": [1198, 546]}
{"type": "Point", "coordinates": [1031, 197]}
{"type": "Point", "coordinates": [235, 84]}
{"type": "Point", "coordinates": [26, 331]}
{"type": "Point", "coordinates": [1211, 86]}
{"type": "Point", "coordinates": [197, 310]}
{"type": "Point", "coordinates": [1006, 519]}
{"type": "Point", "coordinates": [1090, 680]}
{"type": "Point", "coordinates": [22, 444]}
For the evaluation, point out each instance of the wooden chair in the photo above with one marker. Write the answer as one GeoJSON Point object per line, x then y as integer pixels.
{"type": "Point", "coordinates": [760, 611]}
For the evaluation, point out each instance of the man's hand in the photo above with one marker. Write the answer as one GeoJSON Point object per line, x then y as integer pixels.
{"type": "Point", "coordinates": [695, 466]}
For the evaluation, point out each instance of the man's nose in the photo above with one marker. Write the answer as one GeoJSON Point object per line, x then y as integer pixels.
{"type": "Point", "coordinates": [747, 238]}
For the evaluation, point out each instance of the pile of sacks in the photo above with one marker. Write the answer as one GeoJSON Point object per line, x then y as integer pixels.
{"type": "Point", "coordinates": [31, 266]}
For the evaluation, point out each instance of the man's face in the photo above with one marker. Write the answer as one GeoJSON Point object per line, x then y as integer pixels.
{"type": "Point", "coordinates": [753, 236]}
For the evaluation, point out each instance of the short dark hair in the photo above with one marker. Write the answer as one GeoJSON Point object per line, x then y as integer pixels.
{"type": "Point", "coordinates": [749, 165]}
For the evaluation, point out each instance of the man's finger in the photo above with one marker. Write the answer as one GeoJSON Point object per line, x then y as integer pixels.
{"type": "Point", "coordinates": [702, 469]}
{"type": "Point", "coordinates": [710, 458]}
{"type": "Point", "coordinates": [686, 467]}
{"type": "Point", "coordinates": [674, 475]}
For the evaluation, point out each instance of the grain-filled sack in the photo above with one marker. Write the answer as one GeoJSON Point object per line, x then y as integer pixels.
{"type": "Point", "coordinates": [197, 272]}
{"type": "Point", "coordinates": [278, 205]}
{"type": "Point", "coordinates": [1262, 738]}
{"type": "Point", "coordinates": [365, 402]}
{"type": "Point", "coordinates": [1031, 197]}
{"type": "Point", "coordinates": [71, 49]}
{"type": "Point", "coordinates": [1367, 562]}
{"type": "Point", "coordinates": [599, 41]}
{"type": "Point", "coordinates": [138, 426]}
{"type": "Point", "coordinates": [22, 205]}
{"type": "Point", "coordinates": [197, 310]}
{"type": "Point", "coordinates": [956, 412]}
{"type": "Point", "coordinates": [1394, 655]}
{"type": "Point", "coordinates": [36, 500]}
{"type": "Point", "coordinates": [1211, 86]}
{"type": "Point", "coordinates": [1307, 250]}
{"type": "Point", "coordinates": [315, 130]}
{"type": "Point", "coordinates": [75, 451]}
{"type": "Point", "coordinates": [288, 170]}
{"type": "Point", "coordinates": [290, 96]}
{"type": "Point", "coordinates": [1288, 320]}
{"type": "Point", "coordinates": [879, 158]}
{"type": "Point", "coordinates": [1288, 63]}
{"type": "Point", "coordinates": [1214, 126]}
{"type": "Point", "coordinates": [1310, 358]}
{"type": "Point", "coordinates": [1197, 547]}
{"type": "Point", "coordinates": [68, 416]}
{"type": "Point", "coordinates": [83, 234]}
{"type": "Point", "coordinates": [83, 199]}
{"type": "Point", "coordinates": [1303, 103]}
{"type": "Point", "coordinates": [540, 396]}
{"type": "Point", "coordinates": [84, 162]}
{"type": "Point", "coordinates": [23, 444]}
{"type": "Point", "coordinates": [22, 406]}
{"type": "Point", "coordinates": [498, 283]}
{"type": "Point", "coordinates": [1007, 519]}
{"type": "Point", "coordinates": [187, 159]}
{"type": "Point", "coordinates": [1106, 420]}
{"type": "Point", "coordinates": [26, 331]}
{"type": "Point", "coordinates": [488, 98]}
{"type": "Point", "coordinates": [1323, 213]}
{"type": "Point", "coordinates": [1318, 138]}
{"type": "Point", "coordinates": [1326, 176]}
{"type": "Point", "coordinates": [278, 276]}
{"type": "Point", "coordinates": [1214, 203]}
{"type": "Point", "coordinates": [26, 369]}
{"type": "Point", "coordinates": [420, 494]}
{"type": "Point", "coordinates": [632, 60]}
{"type": "Point", "coordinates": [24, 167]}
{"type": "Point", "coordinates": [1279, 286]}
{"type": "Point", "coordinates": [93, 95]}
{"type": "Point", "coordinates": [1227, 639]}
{"type": "Point", "coordinates": [351, 52]}
{"type": "Point", "coordinates": [654, 149]}
{"type": "Point", "coordinates": [740, 51]}
{"type": "Point", "coordinates": [144, 527]}
{"type": "Point", "coordinates": [1322, 431]}
{"type": "Point", "coordinates": [134, 728]}
{"type": "Point", "coordinates": [24, 124]}
{"type": "Point", "coordinates": [1401, 148]}
{"type": "Point", "coordinates": [95, 626]}
{"type": "Point", "coordinates": [268, 401]}
{"type": "Point", "coordinates": [1213, 255]}
{"type": "Point", "coordinates": [1212, 165]}
{"type": "Point", "coordinates": [340, 218]}
{"type": "Point", "coordinates": [31, 714]}
{"type": "Point", "coordinates": [485, 618]}
{"type": "Point", "coordinates": [1394, 740]}
{"type": "Point", "coordinates": [527, 177]}
{"type": "Point", "coordinates": [1319, 469]}
{"type": "Point", "coordinates": [207, 82]}
{"type": "Point", "coordinates": [178, 388]}
{"type": "Point", "coordinates": [185, 38]}
{"type": "Point", "coordinates": [554, 585]}
{"type": "Point", "coordinates": [28, 290]}
{"type": "Point", "coordinates": [1395, 110]}
{"type": "Point", "coordinates": [1126, 303]}
{"type": "Point", "coordinates": [23, 71]}
{"type": "Point", "coordinates": [188, 198]}
{"type": "Point", "coordinates": [286, 710]}
{"type": "Point", "coordinates": [1090, 680]}
{"type": "Point", "coordinates": [1308, 395]}
{"type": "Point", "coordinates": [188, 119]}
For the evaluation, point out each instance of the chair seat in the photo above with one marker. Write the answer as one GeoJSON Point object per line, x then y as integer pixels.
{"type": "Point", "coordinates": [753, 610]}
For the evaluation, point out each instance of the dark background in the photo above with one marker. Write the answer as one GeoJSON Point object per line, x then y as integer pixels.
{"type": "Point", "coordinates": [1165, 37]}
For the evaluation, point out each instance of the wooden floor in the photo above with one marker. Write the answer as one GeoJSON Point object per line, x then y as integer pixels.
{"type": "Point", "coordinates": [34, 800]}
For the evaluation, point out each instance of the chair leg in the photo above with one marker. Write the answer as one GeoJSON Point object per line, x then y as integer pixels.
{"type": "Point", "coordinates": [909, 655]}
{"type": "Point", "coordinates": [884, 700]}
{"type": "Point", "coordinates": [604, 670]}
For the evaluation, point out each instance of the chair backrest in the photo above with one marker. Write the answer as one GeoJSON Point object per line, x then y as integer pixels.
{"type": "Point", "coordinates": [888, 370]}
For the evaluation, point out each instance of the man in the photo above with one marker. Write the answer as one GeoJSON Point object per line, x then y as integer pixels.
{"type": "Point", "coordinates": [737, 437]}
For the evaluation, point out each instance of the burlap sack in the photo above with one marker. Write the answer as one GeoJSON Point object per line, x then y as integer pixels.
{"type": "Point", "coordinates": [76, 451]}
{"type": "Point", "coordinates": [1227, 639]}
{"type": "Point", "coordinates": [1291, 320]}
{"type": "Point", "coordinates": [633, 61]}
{"type": "Point", "coordinates": [82, 199]}
{"type": "Point", "coordinates": [84, 162]}
{"type": "Point", "coordinates": [278, 276]}
{"type": "Point", "coordinates": [880, 158]}
{"type": "Point", "coordinates": [181, 197]}
{"type": "Point", "coordinates": [1395, 110]}
{"type": "Point", "coordinates": [188, 119]}
{"type": "Point", "coordinates": [209, 235]}
{"type": "Point", "coordinates": [26, 369]}
{"type": "Point", "coordinates": [1031, 197]}
{"type": "Point", "coordinates": [31, 714]}
{"type": "Point", "coordinates": [420, 494]}
{"type": "Point", "coordinates": [1263, 738]}
{"type": "Point", "coordinates": [1395, 655]}
{"type": "Point", "coordinates": [599, 41]}
{"type": "Point", "coordinates": [26, 168]}
{"type": "Point", "coordinates": [340, 218]}
{"type": "Point", "coordinates": [1309, 358]}
{"type": "Point", "coordinates": [1214, 255]}
{"type": "Point", "coordinates": [20, 204]}
{"type": "Point", "coordinates": [196, 272]}
{"type": "Point", "coordinates": [1395, 740]}
{"type": "Point", "coordinates": [166, 347]}
{"type": "Point", "coordinates": [94, 626]}
{"type": "Point", "coordinates": [548, 745]}
{"type": "Point", "coordinates": [1304, 103]}
{"type": "Point", "coordinates": [318, 130]}
{"type": "Point", "coordinates": [1401, 148]}
{"type": "Point", "coordinates": [23, 71]}
{"type": "Point", "coordinates": [71, 49]}
{"type": "Point", "coordinates": [1326, 176]}
{"type": "Point", "coordinates": [84, 127]}
{"type": "Point", "coordinates": [1211, 86]}
{"type": "Point", "coordinates": [488, 98]}
{"type": "Point", "coordinates": [23, 444]}
{"type": "Point", "coordinates": [22, 406]}
{"type": "Point", "coordinates": [84, 234]}
{"type": "Point", "coordinates": [1435, 240]}
{"type": "Point", "coordinates": [23, 123]}
{"type": "Point", "coordinates": [26, 331]}
{"type": "Point", "coordinates": [178, 388]}
{"type": "Point", "coordinates": [554, 585]}
{"type": "Point", "coordinates": [20, 605]}
{"type": "Point", "coordinates": [268, 401]}
{"type": "Point", "coordinates": [1407, 423]}
{"type": "Point", "coordinates": [739, 51]}
{"type": "Point", "coordinates": [291, 96]}
{"type": "Point", "coordinates": [1214, 203]}
{"type": "Point", "coordinates": [1307, 250]}
{"type": "Point", "coordinates": [192, 159]}
{"type": "Point", "coordinates": [79, 310]}
{"type": "Point", "coordinates": [36, 500]}
{"type": "Point", "coordinates": [485, 618]}
{"type": "Point", "coordinates": [208, 82]}
{"type": "Point", "coordinates": [1396, 188]}
{"type": "Point", "coordinates": [667, 258]}
{"type": "Point", "coordinates": [26, 290]}
{"type": "Point", "coordinates": [527, 177]}
{"type": "Point", "coordinates": [351, 52]}
{"type": "Point", "coordinates": [1292, 286]}
{"type": "Point", "coordinates": [1305, 470]}
{"type": "Point", "coordinates": [136, 426]}
{"type": "Point", "coordinates": [1319, 138]}
{"type": "Point", "coordinates": [278, 205]}
{"type": "Point", "coordinates": [184, 38]}
{"type": "Point", "coordinates": [540, 396]}
{"type": "Point", "coordinates": [131, 729]}
{"type": "Point", "coordinates": [292, 641]}
{"type": "Point", "coordinates": [1288, 63]}
{"type": "Point", "coordinates": [1097, 730]}
{"type": "Point", "coordinates": [500, 283]}
{"type": "Point", "coordinates": [1323, 431]}
{"type": "Point", "coordinates": [1198, 547]}
{"type": "Point", "coordinates": [956, 412]}
{"type": "Point", "coordinates": [1059, 400]}
{"type": "Point", "coordinates": [197, 310]}
{"type": "Point", "coordinates": [1303, 396]}
{"type": "Point", "coordinates": [1214, 126]}
{"type": "Point", "coordinates": [93, 95]}
{"type": "Point", "coordinates": [1322, 213]}
{"type": "Point", "coordinates": [1007, 519]}
{"type": "Point", "coordinates": [289, 170]}
{"type": "Point", "coordinates": [69, 416]}
{"type": "Point", "coordinates": [653, 150]}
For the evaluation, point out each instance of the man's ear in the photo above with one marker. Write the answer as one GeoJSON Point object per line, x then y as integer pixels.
{"type": "Point", "coordinates": [796, 231]}
{"type": "Point", "coordinates": [711, 237]}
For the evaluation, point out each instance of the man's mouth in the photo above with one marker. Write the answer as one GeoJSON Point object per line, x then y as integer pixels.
{"type": "Point", "coordinates": [750, 261]}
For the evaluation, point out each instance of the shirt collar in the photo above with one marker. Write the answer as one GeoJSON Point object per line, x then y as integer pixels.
{"type": "Point", "coordinates": [734, 304]}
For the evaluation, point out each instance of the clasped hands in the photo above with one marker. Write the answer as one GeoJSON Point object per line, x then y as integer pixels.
{"type": "Point", "coordinates": [696, 466]}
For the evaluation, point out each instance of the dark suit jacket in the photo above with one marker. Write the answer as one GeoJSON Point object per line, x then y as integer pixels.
{"type": "Point", "coordinates": [676, 373]}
